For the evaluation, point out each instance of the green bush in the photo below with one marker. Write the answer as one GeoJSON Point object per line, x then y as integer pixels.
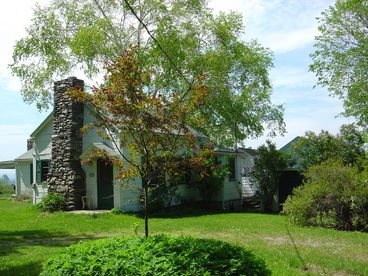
{"type": "Point", "coordinates": [156, 255]}
{"type": "Point", "coordinates": [52, 203]}
{"type": "Point", "coordinates": [333, 195]}
{"type": "Point", "coordinates": [6, 189]}
{"type": "Point", "coordinates": [116, 211]}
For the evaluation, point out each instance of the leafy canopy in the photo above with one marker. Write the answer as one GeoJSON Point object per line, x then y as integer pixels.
{"type": "Point", "coordinates": [347, 146]}
{"type": "Point", "coordinates": [150, 130]}
{"type": "Point", "coordinates": [73, 35]}
{"type": "Point", "coordinates": [340, 60]}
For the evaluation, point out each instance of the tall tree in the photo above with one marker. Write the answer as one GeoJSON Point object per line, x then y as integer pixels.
{"type": "Point", "coordinates": [266, 172]}
{"type": "Point", "coordinates": [178, 41]}
{"type": "Point", "coordinates": [150, 131]}
{"type": "Point", "coordinates": [340, 60]}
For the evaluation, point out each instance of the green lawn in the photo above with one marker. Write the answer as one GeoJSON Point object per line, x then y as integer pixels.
{"type": "Point", "coordinates": [28, 238]}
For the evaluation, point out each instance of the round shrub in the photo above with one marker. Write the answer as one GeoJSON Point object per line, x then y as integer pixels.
{"type": "Point", "coordinates": [52, 203]}
{"type": "Point", "coordinates": [156, 255]}
{"type": "Point", "coordinates": [333, 195]}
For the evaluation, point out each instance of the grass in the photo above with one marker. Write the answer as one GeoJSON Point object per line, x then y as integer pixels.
{"type": "Point", "coordinates": [28, 238]}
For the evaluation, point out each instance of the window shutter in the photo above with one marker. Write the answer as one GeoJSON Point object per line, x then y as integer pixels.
{"type": "Point", "coordinates": [38, 171]}
{"type": "Point", "coordinates": [31, 173]}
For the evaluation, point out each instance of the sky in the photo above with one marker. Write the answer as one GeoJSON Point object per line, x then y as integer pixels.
{"type": "Point", "coordinates": [286, 27]}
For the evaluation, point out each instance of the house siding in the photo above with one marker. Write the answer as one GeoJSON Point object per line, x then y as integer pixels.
{"type": "Point", "coordinates": [42, 142]}
{"type": "Point", "coordinates": [42, 151]}
{"type": "Point", "coordinates": [91, 136]}
{"type": "Point", "coordinates": [23, 175]}
{"type": "Point", "coordinates": [232, 188]}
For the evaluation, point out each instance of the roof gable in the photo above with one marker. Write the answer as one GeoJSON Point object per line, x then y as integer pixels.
{"type": "Point", "coordinates": [44, 124]}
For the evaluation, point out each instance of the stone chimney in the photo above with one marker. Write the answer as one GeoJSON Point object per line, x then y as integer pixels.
{"type": "Point", "coordinates": [66, 176]}
{"type": "Point", "coordinates": [29, 144]}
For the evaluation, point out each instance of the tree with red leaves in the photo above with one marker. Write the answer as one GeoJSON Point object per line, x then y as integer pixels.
{"type": "Point", "coordinates": [150, 129]}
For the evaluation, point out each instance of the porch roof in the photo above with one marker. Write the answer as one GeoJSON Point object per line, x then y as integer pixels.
{"type": "Point", "coordinates": [106, 148]}
{"type": "Point", "coordinates": [28, 155]}
{"type": "Point", "coordinates": [7, 165]}
{"type": "Point", "coordinates": [226, 150]}
{"type": "Point", "coordinates": [101, 146]}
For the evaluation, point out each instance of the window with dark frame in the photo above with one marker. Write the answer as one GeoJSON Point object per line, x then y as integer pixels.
{"type": "Point", "coordinates": [42, 170]}
{"type": "Point", "coordinates": [232, 175]}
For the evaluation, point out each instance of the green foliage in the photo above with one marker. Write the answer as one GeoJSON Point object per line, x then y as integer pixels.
{"type": "Point", "coordinates": [208, 178]}
{"type": "Point", "coordinates": [333, 195]}
{"type": "Point", "coordinates": [163, 195]}
{"type": "Point", "coordinates": [340, 58]}
{"type": "Point", "coordinates": [6, 189]}
{"type": "Point", "coordinates": [266, 173]}
{"type": "Point", "coordinates": [85, 35]}
{"type": "Point", "coordinates": [157, 255]}
{"type": "Point", "coordinates": [154, 140]}
{"type": "Point", "coordinates": [348, 146]}
{"type": "Point", "coordinates": [52, 203]}
{"type": "Point", "coordinates": [116, 211]}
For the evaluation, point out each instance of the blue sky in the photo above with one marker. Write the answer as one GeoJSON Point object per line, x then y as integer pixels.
{"type": "Point", "coordinates": [287, 27]}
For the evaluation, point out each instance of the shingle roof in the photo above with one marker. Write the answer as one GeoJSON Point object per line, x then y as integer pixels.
{"type": "Point", "coordinates": [28, 155]}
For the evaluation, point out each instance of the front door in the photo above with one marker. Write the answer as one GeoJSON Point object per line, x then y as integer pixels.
{"type": "Point", "coordinates": [105, 191]}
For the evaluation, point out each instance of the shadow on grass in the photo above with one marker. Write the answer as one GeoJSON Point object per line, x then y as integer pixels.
{"type": "Point", "coordinates": [27, 269]}
{"type": "Point", "coordinates": [12, 241]}
{"type": "Point", "coordinates": [183, 212]}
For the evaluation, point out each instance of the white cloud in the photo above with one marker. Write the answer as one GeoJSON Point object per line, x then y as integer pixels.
{"type": "Point", "coordinates": [15, 15]}
{"type": "Point", "coordinates": [282, 26]}
{"type": "Point", "coordinates": [292, 76]}
{"type": "Point", "coordinates": [9, 82]}
{"type": "Point", "coordinates": [13, 139]}
{"type": "Point", "coordinates": [282, 42]}
{"type": "Point", "coordinates": [297, 125]}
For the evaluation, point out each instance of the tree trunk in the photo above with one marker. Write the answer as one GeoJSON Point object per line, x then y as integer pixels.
{"type": "Point", "coordinates": [146, 211]}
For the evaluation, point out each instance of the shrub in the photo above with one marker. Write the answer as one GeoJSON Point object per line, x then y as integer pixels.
{"type": "Point", "coordinates": [52, 203]}
{"type": "Point", "coordinates": [156, 255]}
{"type": "Point", "coordinates": [116, 211]}
{"type": "Point", "coordinates": [333, 195]}
{"type": "Point", "coordinates": [6, 189]}
{"type": "Point", "coordinates": [266, 173]}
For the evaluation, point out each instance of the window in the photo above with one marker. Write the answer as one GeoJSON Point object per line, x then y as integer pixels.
{"type": "Point", "coordinates": [42, 170]}
{"type": "Point", "coordinates": [31, 173]}
{"type": "Point", "coordinates": [232, 175]}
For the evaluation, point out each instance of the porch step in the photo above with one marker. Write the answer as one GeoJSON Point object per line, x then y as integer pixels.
{"type": "Point", "coordinates": [251, 202]}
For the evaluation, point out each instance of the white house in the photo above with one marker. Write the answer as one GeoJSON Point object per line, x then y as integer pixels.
{"type": "Point", "coordinates": [52, 163]}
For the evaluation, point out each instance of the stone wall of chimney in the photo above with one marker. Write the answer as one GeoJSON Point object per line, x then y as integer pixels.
{"type": "Point", "coordinates": [66, 176]}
